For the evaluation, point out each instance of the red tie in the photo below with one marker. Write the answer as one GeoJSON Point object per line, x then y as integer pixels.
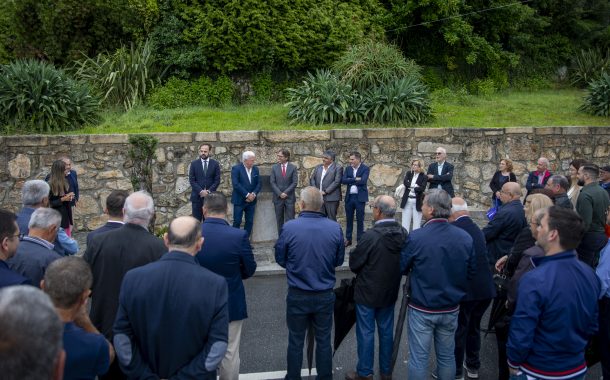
{"type": "Point", "coordinates": [283, 170]}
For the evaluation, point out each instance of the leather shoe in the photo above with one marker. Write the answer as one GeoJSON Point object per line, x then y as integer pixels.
{"type": "Point", "coordinates": [386, 377]}
{"type": "Point", "coordinates": [347, 243]}
{"type": "Point", "coordinates": [353, 375]}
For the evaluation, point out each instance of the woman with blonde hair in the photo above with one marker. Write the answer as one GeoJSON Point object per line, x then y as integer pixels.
{"type": "Point", "coordinates": [59, 197]}
{"type": "Point", "coordinates": [412, 189]}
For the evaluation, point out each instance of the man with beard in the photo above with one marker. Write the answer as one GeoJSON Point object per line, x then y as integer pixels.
{"type": "Point", "coordinates": [204, 176]}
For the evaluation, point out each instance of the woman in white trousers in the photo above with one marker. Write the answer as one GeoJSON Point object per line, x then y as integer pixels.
{"type": "Point", "coordinates": [412, 189]}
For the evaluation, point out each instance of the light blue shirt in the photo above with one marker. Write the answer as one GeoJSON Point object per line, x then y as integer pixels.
{"type": "Point", "coordinates": [603, 271]}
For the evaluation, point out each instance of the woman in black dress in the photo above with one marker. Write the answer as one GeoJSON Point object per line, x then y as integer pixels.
{"type": "Point", "coordinates": [502, 175]}
{"type": "Point", "coordinates": [59, 196]}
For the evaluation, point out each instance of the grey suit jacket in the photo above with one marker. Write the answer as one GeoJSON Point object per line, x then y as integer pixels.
{"type": "Point", "coordinates": [332, 181]}
{"type": "Point", "coordinates": [280, 184]}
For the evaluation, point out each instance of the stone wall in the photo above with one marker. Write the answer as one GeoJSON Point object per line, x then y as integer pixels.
{"type": "Point", "coordinates": [102, 162]}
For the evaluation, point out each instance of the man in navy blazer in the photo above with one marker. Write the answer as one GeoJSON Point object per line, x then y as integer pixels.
{"type": "Point", "coordinates": [114, 208]}
{"type": "Point", "coordinates": [172, 319]}
{"type": "Point", "coordinates": [9, 241]}
{"type": "Point", "coordinates": [356, 195]}
{"type": "Point", "coordinates": [246, 186]}
{"type": "Point", "coordinates": [227, 252]}
{"type": "Point", "coordinates": [440, 173]}
{"type": "Point", "coordinates": [204, 176]}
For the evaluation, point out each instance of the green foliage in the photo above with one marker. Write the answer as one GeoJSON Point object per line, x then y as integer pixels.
{"type": "Point", "coordinates": [142, 153]}
{"type": "Point", "coordinates": [202, 92]}
{"type": "Point", "coordinates": [263, 87]}
{"type": "Point", "coordinates": [597, 100]}
{"type": "Point", "coordinates": [123, 78]}
{"type": "Point", "coordinates": [482, 87]}
{"type": "Point", "coordinates": [36, 97]}
{"type": "Point", "coordinates": [589, 65]}
{"type": "Point", "coordinates": [373, 63]}
{"type": "Point", "coordinates": [7, 30]}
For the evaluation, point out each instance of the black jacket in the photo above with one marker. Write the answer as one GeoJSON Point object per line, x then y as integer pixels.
{"type": "Point", "coordinates": [376, 262]}
{"type": "Point", "coordinates": [502, 230]}
{"type": "Point", "coordinates": [523, 241]}
{"type": "Point", "coordinates": [495, 184]}
{"type": "Point", "coordinates": [444, 179]}
{"type": "Point", "coordinates": [562, 200]}
{"type": "Point", "coordinates": [422, 180]}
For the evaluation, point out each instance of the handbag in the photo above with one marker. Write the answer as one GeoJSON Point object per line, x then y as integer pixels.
{"type": "Point", "coordinates": [491, 212]}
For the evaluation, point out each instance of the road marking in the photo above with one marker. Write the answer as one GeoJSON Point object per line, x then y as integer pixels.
{"type": "Point", "coordinates": [275, 375]}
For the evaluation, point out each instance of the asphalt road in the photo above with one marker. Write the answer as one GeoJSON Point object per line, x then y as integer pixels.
{"type": "Point", "coordinates": [265, 338]}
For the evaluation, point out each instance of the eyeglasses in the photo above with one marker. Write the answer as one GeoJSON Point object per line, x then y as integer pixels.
{"type": "Point", "coordinates": [372, 206]}
{"type": "Point", "coordinates": [438, 153]}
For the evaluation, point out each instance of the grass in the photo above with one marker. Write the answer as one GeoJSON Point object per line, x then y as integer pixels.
{"type": "Point", "coordinates": [506, 109]}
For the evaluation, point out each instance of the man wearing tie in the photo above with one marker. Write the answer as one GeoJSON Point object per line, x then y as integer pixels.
{"type": "Point", "coordinates": [204, 176]}
{"type": "Point", "coordinates": [440, 173]}
{"type": "Point", "coordinates": [327, 177]}
{"type": "Point", "coordinates": [356, 195]}
{"type": "Point", "coordinates": [284, 180]}
{"type": "Point", "coordinates": [246, 186]}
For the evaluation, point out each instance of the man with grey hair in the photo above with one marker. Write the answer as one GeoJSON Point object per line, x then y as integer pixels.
{"type": "Point", "coordinates": [35, 252]}
{"type": "Point", "coordinates": [559, 185]}
{"type": "Point", "coordinates": [440, 173]}
{"type": "Point", "coordinates": [376, 263]}
{"type": "Point", "coordinates": [327, 178]}
{"type": "Point", "coordinates": [173, 317]}
{"type": "Point", "coordinates": [310, 247]}
{"type": "Point", "coordinates": [35, 194]}
{"type": "Point", "coordinates": [538, 178]}
{"type": "Point", "coordinates": [480, 292]}
{"type": "Point", "coordinates": [439, 259]}
{"type": "Point", "coordinates": [68, 284]}
{"type": "Point", "coordinates": [246, 186]}
{"type": "Point", "coordinates": [31, 335]}
{"type": "Point", "coordinates": [112, 254]}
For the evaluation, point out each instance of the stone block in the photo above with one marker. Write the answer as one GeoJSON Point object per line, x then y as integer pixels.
{"type": "Point", "coordinates": [33, 140]}
{"type": "Point", "coordinates": [478, 152]}
{"type": "Point", "coordinates": [121, 184]}
{"type": "Point", "coordinates": [384, 175]}
{"type": "Point", "coordinates": [471, 186]}
{"type": "Point", "coordinates": [493, 132]}
{"type": "Point", "coordinates": [182, 185]}
{"type": "Point", "coordinates": [181, 168]}
{"type": "Point", "coordinates": [467, 132]}
{"type": "Point", "coordinates": [220, 150]}
{"type": "Point", "coordinates": [109, 139]}
{"type": "Point", "coordinates": [547, 131]}
{"type": "Point", "coordinates": [518, 130]}
{"type": "Point", "coordinates": [173, 138]}
{"type": "Point", "coordinates": [593, 130]}
{"type": "Point", "coordinates": [583, 131]}
{"type": "Point", "coordinates": [348, 134]}
{"type": "Point", "coordinates": [472, 171]}
{"type": "Point", "coordinates": [184, 210]}
{"type": "Point", "coordinates": [203, 137]}
{"type": "Point", "coordinates": [96, 222]}
{"type": "Point", "coordinates": [20, 166]}
{"type": "Point", "coordinates": [110, 174]}
{"type": "Point", "coordinates": [431, 132]}
{"type": "Point", "coordinates": [238, 136]}
{"type": "Point", "coordinates": [602, 151]}
{"type": "Point", "coordinates": [87, 205]}
{"type": "Point", "coordinates": [430, 147]}
{"type": "Point", "coordinates": [295, 136]}
{"type": "Point", "coordinates": [387, 133]}
{"type": "Point", "coordinates": [160, 153]}
{"type": "Point", "coordinates": [311, 161]}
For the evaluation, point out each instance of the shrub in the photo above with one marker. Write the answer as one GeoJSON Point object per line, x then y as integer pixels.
{"type": "Point", "coordinates": [202, 92]}
{"type": "Point", "coordinates": [588, 65]}
{"type": "Point", "coordinates": [37, 97]}
{"type": "Point", "coordinates": [123, 78]}
{"type": "Point", "coordinates": [597, 100]}
{"type": "Point", "coordinates": [482, 87]}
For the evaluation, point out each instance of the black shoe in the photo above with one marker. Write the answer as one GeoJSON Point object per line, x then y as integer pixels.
{"type": "Point", "coordinates": [347, 243]}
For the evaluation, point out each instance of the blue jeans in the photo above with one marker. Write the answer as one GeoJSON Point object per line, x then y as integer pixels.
{"type": "Point", "coordinates": [365, 334]}
{"type": "Point", "coordinates": [422, 329]}
{"type": "Point", "coordinates": [352, 204]}
{"type": "Point", "coordinates": [302, 309]}
{"type": "Point", "coordinates": [523, 376]}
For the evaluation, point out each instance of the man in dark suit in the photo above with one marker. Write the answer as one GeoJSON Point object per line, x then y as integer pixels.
{"type": "Point", "coordinates": [283, 180]}
{"type": "Point", "coordinates": [172, 319]}
{"type": "Point", "coordinates": [9, 241]}
{"type": "Point", "coordinates": [480, 292]}
{"type": "Point", "coordinates": [539, 177]}
{"type": "Point", "coordinates": [356, 195]}
{"type": "Point", "coordinates": [114, 208]}
{"type": "Point", "coordinates": [112, 254]}
{"type": "Point", "coordinates": [440, 173]}
{"type": "Point", "coordinates": [227, 252]}
{"type": "Point", "coordinates": [246, 186]}
{"type": "Point", "coordinates": [327, 177]}
{"type": "Point", "coordinates": [204, 176]}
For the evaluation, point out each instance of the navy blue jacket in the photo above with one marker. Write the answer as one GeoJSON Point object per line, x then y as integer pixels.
{"type": "Point", "coordinates": [242, 186]}
{"type": "Point", "coordinates": [440, 259]}
{"type": "Point", "coordinates": [23, 219]}
{"type": "Point", "coordinates": [444, 179]}
{"type": "Point", "coordinates": [227, 252]}
{"type": "Point", "coordinates": [501, 231]}
{"type": "Point", "coordinates": [87, 354]}
{"type": "Point", "coordinates": [172, 321]}
{"type": "Point", "coordinates": [481, 286]}
{"type": "Point", "coordinates": [310, 247]}
{"type": "Point", "coordinates": [349, 179]}
{"type": "Point", "coordinates": [10, 278]}
{"type": "Point", "coordinates": [556, 315]}
{"type": "Point", "coordinates": [32, 259]}
{"type": "Point", "coordinates": [532, 181]}
{"type": "Point", "coordinates": [199, 181]}
{"type": "Point", "coordinates": [109, 226]}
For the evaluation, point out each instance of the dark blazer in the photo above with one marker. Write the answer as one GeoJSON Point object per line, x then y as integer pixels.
{"type": "Point", "coordinates": [10, 278]}
{"type": "Point", "coordinates": [227, 252]}
{"type": "Point", "coordinates": [532, 181]}
{"type": "Point", "coordinates": [32, 259]}
{"type": "Point", "coordinates": [349, 179]}
{"type": "Point", "coordinates": [444, 179]}
{"type": "Point", "coordinates": [481, 286]}
{"type": "Point", "coordinates": [502, 230]}
{"type": "Point", "coordinates": [64, 208]}
{"type": "Point", "coordinates": [110, 256]}
{"type": "Point", "coordinates": [72, 179]}
{"type": "Point", "coordinates": [23, 219]}
{"type": "Point", "coordinates": [421, 181]}
{"type": "Point", "coordinates": [332, 181]}
{"type": "Point", "coordinates": [495, 185]}
{"type": "Point", "coordinates": [109, 226]}
{"type": "Point", "coordinates": [199, 181]}
{"type": "Point", "coordinates": [172, 320]}
{"type": "Point", "coordinates": [242, 186]}
{"type": "Point", "coordinates": [280, 184]}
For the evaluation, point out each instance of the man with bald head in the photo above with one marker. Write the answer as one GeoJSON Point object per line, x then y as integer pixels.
{"type": "Point", "coordinates": [501, 231]}
{"type": "Point", "coordinates": [479, 294]}
{"type": "Point", "coordinates": [376, 262]}
{"type": "Point", "coordinates": [168, 293]}
{"type": "Point", "coordinates": [112, 254]}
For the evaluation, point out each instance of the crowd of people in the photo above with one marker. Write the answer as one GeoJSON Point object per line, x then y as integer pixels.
{"type": "Point", "coordinates": [140, 307]}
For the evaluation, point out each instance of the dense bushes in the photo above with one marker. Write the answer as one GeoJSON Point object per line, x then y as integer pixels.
{"type": "Point", "coordinates": [588, 65]}
{"type": "Point", "coordinates": [36, 97]}
{"type": "Point", "coordinates": [202, 92]}
{"type": "Point", "coordinates": [597, 100]}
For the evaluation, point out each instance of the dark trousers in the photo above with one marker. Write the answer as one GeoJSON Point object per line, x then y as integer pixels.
{"type": "Point", "coordinates": [502, 328]}
{"type": "Point", "coordinates": [329, 209]}
{"type": "Point", "coordinates": [352, 204]}
{"type": "Point", "coordinates": [468, 334]}
{"type": "Point", "coordinates": [196, 209]}
{"type": "Point", "coordinates": [604, 336]}
{"type": "Point", "coordinates": [114, 372]}
{"type": "Point", "coordinates": [303, 309]}
{"type": "Point", "coordinates": [590, 246]}
{"type": "Point", "coordinates": [284, 211]}
{"type": "Point", "coordinates": [238, 213]}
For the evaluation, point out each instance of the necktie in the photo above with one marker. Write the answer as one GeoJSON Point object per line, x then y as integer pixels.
{"type": "Point", "coordinates": [205, 167]}
{"type": "Point", "coordinates": [284, 170]}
